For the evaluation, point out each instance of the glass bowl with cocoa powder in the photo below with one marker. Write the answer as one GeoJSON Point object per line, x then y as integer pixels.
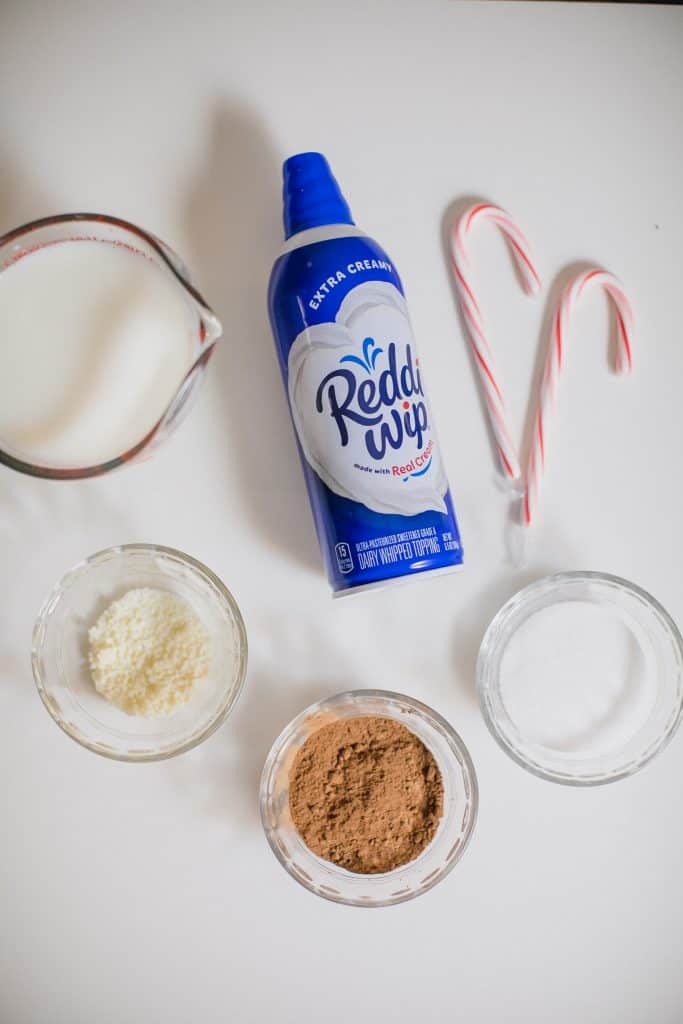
{"type": "Point", "coordinates": [368, 798]}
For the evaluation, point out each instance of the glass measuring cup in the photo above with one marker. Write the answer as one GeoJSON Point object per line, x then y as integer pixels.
{"type": "Point", "coordinates": [91, 227]}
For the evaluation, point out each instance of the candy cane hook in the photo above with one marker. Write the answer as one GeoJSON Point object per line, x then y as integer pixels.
{"type": "Point", "coordinates": [471, 312]}
{"type": "Point", "coordinates": [554, 362]}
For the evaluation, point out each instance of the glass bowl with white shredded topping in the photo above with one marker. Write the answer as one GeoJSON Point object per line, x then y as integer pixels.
{"type": "Point", "coordinates": [139, 653]}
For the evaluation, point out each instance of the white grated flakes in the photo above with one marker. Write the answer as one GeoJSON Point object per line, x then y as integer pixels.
{"type": "Point", "coordinates": [147, 651]}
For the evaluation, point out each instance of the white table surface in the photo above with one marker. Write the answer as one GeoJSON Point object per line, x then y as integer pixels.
{"type": "Point", "coordinates": [148, 893]}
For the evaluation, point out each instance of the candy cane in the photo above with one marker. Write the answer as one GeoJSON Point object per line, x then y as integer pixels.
{"type": "Point", "coordinates": [553, 367]}
{"type": "Point", "coordinates": [475, 325]}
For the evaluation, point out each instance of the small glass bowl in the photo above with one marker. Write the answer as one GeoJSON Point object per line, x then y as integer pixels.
{"type": "Point", "coordinates": [436, 860]}
{"type": "Point", "coordinates": [657, 642]}
{"type": "Point", "coordinates": [60, 653]}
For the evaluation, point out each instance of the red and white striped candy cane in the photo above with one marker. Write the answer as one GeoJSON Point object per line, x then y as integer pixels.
{"type": "Point", "coordinates": [475, 325]}
{"type": "Point", "coordinates": [553, 367]}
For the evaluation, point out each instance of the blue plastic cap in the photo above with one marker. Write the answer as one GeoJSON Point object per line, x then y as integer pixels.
{"type": "Point", "coordinates": [311, 195]}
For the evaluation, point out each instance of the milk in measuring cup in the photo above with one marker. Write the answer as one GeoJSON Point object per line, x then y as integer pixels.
{"type": "Point", "coordinates": [95, 339]}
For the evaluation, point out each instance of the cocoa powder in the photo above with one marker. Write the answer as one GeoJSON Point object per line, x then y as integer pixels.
{"type": "Point", "coordinates": [366, 794]}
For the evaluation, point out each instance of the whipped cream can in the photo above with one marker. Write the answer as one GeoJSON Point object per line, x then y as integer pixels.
{"type": "Point", "coordinates": [375, 477]}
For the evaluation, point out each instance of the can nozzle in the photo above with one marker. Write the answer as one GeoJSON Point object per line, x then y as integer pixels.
{"type": "Point", "coordinates": [311, 195]}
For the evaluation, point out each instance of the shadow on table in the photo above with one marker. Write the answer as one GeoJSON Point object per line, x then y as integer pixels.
{"type": "Point", "coordinates": [290, 669]}
{"type": "Point", "coordinates": [222, 776]}
{"type": "Point", "coordinates": [21, 198]}
{"type": "Point", "coordinates": [268, 708]}
{"type": "Point", "coordinates": [46, 527]}
{"type": "Point", "coordinates": [233, 221]}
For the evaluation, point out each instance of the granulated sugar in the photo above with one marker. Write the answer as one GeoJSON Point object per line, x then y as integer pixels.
{"type": "Point", "coordinates": [578, 677]}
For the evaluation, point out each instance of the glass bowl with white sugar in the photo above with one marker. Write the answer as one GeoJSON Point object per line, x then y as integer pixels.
{"type": "Point", "coordinates": [139, 653]}
{"type": "Point", "coordinates": [580, 678]}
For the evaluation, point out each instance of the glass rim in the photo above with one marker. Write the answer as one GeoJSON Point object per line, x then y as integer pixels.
{"type": "Point", "coordinates": [233, 692]}
{"type": "Point", "coordinates": [285, 737]}
{"type": "Point", "coordinates": [162, 251]}
{"type": "Point", "coordinates": [491, 639]}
